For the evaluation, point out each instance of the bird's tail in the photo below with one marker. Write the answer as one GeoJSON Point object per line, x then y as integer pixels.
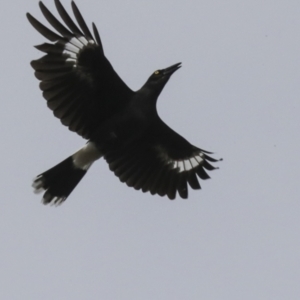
{"type": "Point", "coordinates": [59, 181]}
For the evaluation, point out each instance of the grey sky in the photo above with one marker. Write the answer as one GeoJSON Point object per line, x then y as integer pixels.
{"type": "Point", "coordinates": [237, 94]}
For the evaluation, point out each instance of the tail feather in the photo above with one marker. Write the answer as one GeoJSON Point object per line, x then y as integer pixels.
{"type": "Point", "coordinates": [59, 181]}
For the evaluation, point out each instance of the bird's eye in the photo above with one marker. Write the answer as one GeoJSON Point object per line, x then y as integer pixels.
{"type": "Point", "coordinates": [156, 72]}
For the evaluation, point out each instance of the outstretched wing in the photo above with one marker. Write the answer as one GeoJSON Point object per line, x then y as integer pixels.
{"type": "Point", "coordinates": [160, 161]}
{"type": "Point", "coordinates": [78, 82]}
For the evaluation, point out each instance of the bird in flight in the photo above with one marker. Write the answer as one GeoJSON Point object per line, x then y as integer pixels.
{"type": "Point", "coordinates": [122, 126]}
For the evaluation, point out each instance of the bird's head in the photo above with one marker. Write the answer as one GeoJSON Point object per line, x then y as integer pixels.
{"type": "Point", "coordinates": [159, 78]}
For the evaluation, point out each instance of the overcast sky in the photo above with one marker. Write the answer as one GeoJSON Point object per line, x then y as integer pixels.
{"type": "Point", "coordinates": [237, 94]}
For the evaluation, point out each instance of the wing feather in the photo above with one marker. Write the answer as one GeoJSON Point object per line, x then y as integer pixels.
{"type": "Point", "coordinates": [55, 23]}
{"type": "Point", "coordinates": [159, 161]}
{"type": "Point", "coordinates": [81, 21]}
{"type": "Point", "coordinates": [97, 36]}
{"type": "Point", "coordinates": [75, 67]}
{"type": "Point", "coordinates": [67, 19]}
{"type": "Point", "coordinates": [43, 30]}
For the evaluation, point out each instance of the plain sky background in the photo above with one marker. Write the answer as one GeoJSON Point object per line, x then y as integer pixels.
{"type": "Point", "coordinates": [237, 94]}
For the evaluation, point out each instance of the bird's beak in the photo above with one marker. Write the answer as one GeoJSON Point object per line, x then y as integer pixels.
{"type": "Point", "coordinates": [169, 71]}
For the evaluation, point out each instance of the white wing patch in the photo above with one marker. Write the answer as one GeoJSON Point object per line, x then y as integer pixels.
{"type": "Point", "coordinates": [183, 165]}
{"type": "Point", "coordinates": [73, 47]}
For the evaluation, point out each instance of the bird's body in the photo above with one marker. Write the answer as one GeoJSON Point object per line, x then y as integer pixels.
{"type": "Point", "coordinates": [87, 95]}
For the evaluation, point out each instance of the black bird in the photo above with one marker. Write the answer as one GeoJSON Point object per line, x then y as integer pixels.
{"type": "Point", "coordinates": [87, 95]}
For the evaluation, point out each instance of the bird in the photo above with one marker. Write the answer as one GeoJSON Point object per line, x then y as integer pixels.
{"type": "Point", "coordinates": [83, 90]}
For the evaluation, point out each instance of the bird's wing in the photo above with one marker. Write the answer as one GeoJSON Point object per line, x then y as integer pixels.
{"type": "Point", "coordinates": [78, 82]}
{"type": "Point", "coordinates": [161, 162]}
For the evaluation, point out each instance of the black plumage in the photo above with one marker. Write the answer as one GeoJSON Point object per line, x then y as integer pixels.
{"type": "Point", "coordinates": [87, 95]}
